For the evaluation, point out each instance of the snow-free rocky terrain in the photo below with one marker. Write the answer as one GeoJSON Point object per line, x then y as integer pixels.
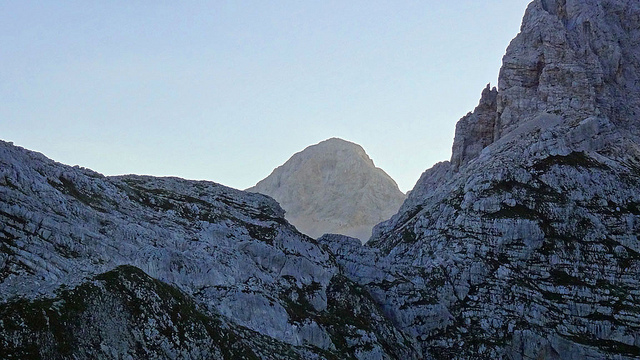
{"type": "Point", "coordinates": [523, 246]}
{"type": "Point", "coordinates": [333, 187]}
{"type": "Point", "coordinates": [144, 267]}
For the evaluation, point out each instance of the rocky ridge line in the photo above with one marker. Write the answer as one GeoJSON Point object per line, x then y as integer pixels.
{"type": "Point", "coordinates": [525, 245]}
{"type": "Point", "coordinates": [249, 275]}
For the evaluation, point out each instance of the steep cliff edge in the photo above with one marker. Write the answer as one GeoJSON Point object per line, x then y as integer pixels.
{"type": "Point", "coordinates": [572, 58]}
{"type": "Point", "coordinates": [525, 245]}
{"type": "Point", "coordinates": [333, 187]}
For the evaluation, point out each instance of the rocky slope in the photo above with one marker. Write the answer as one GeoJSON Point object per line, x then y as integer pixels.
{"type": "Point", "coordinates": [333, 187]}
{"type": "Point", "coordinates": [144, 267]}
{"type": "Point", "coordinates": [525, 245]}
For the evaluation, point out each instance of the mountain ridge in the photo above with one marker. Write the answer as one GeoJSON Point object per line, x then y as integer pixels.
{"type": "Point", "coordinates": [231, 253]}
{"type": "Point", "coordinates": [525, 244]}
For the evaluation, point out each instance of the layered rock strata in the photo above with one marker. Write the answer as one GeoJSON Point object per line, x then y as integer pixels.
{"type": "Point", "coordinates": [525, 245]}
{"type": "Point", "coordinates": [207, 270]}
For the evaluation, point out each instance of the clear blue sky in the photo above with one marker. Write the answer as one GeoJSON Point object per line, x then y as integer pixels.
{"type": "Point", "coordinates": [228, 90]}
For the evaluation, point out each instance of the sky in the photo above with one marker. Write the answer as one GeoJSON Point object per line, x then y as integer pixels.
{"type": "Point", "coordinates": [227, 91]}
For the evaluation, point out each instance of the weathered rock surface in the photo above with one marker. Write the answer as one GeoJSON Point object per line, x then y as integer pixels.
{"type": "Point", "coordinates": [123, 314]}
{"type": "Point", "coordinates": [476, 130]}
{"type": "Point", "coordinates": [333, 187]}
{"type": "Point", "coordinates": [200, 259]}
{"type": "Point", "coordinates": [525, 245]}
{"type": "Point", "coordinates": [576, 58]}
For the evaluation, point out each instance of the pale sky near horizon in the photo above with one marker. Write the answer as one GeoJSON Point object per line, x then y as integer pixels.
{"type": "Point", "coordinates": [228, 90]}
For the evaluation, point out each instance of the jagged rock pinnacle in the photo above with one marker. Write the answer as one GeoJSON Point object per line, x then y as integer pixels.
{"type": "Point", "coordinates": [525, 245]}
{"type": "Point", "coordinates": [574, 58]}
{"type": "Point", "coordinates": [475, 131]}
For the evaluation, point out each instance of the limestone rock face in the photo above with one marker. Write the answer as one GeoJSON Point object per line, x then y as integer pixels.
{"type": "Point", "coordinates": [476, 130]}
{"type": "Point", "coordinates": [574, 58]}
{"type": "Point", "coordinates": [525, 245]}
{"type": "Point", "coordinates": [333, 187]}
{"type": "Point", "coordinates": [95, 267]}
{"type": "Point", "coordinates": [577, 58]}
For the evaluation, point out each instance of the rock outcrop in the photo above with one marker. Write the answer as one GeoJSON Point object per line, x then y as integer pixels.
{"type": "Point", "coordinates": [333, 187]}
{"type": "Point", "coordinates": [525, 245]}
{"type": "Point", "coordinates": [142, 267]}
{"type": "Point", "coordinates": [476, 130]}
{"type": "Point", "coordinates": [573, 58]}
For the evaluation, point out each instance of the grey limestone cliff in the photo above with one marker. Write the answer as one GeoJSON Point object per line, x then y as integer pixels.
{"type": "Point", "coordinates": [476, 130]}
{"type": "Point", "coordinates": [525, 245]}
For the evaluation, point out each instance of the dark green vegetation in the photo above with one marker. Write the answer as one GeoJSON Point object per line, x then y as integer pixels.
{"type": "Point", "coordinates": [123, 312]}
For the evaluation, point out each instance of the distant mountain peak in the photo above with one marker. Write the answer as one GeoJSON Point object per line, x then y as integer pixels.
{"type": "Point", "coordinates": [333, 187]}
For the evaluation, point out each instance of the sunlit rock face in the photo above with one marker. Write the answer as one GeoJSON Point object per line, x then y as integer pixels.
{"type": "Point", "coordinates": [333, 187]}
{"type": "Point", "coordinates": [525, 245]}
{"type": "Point", "coordinates": [95, 267]}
